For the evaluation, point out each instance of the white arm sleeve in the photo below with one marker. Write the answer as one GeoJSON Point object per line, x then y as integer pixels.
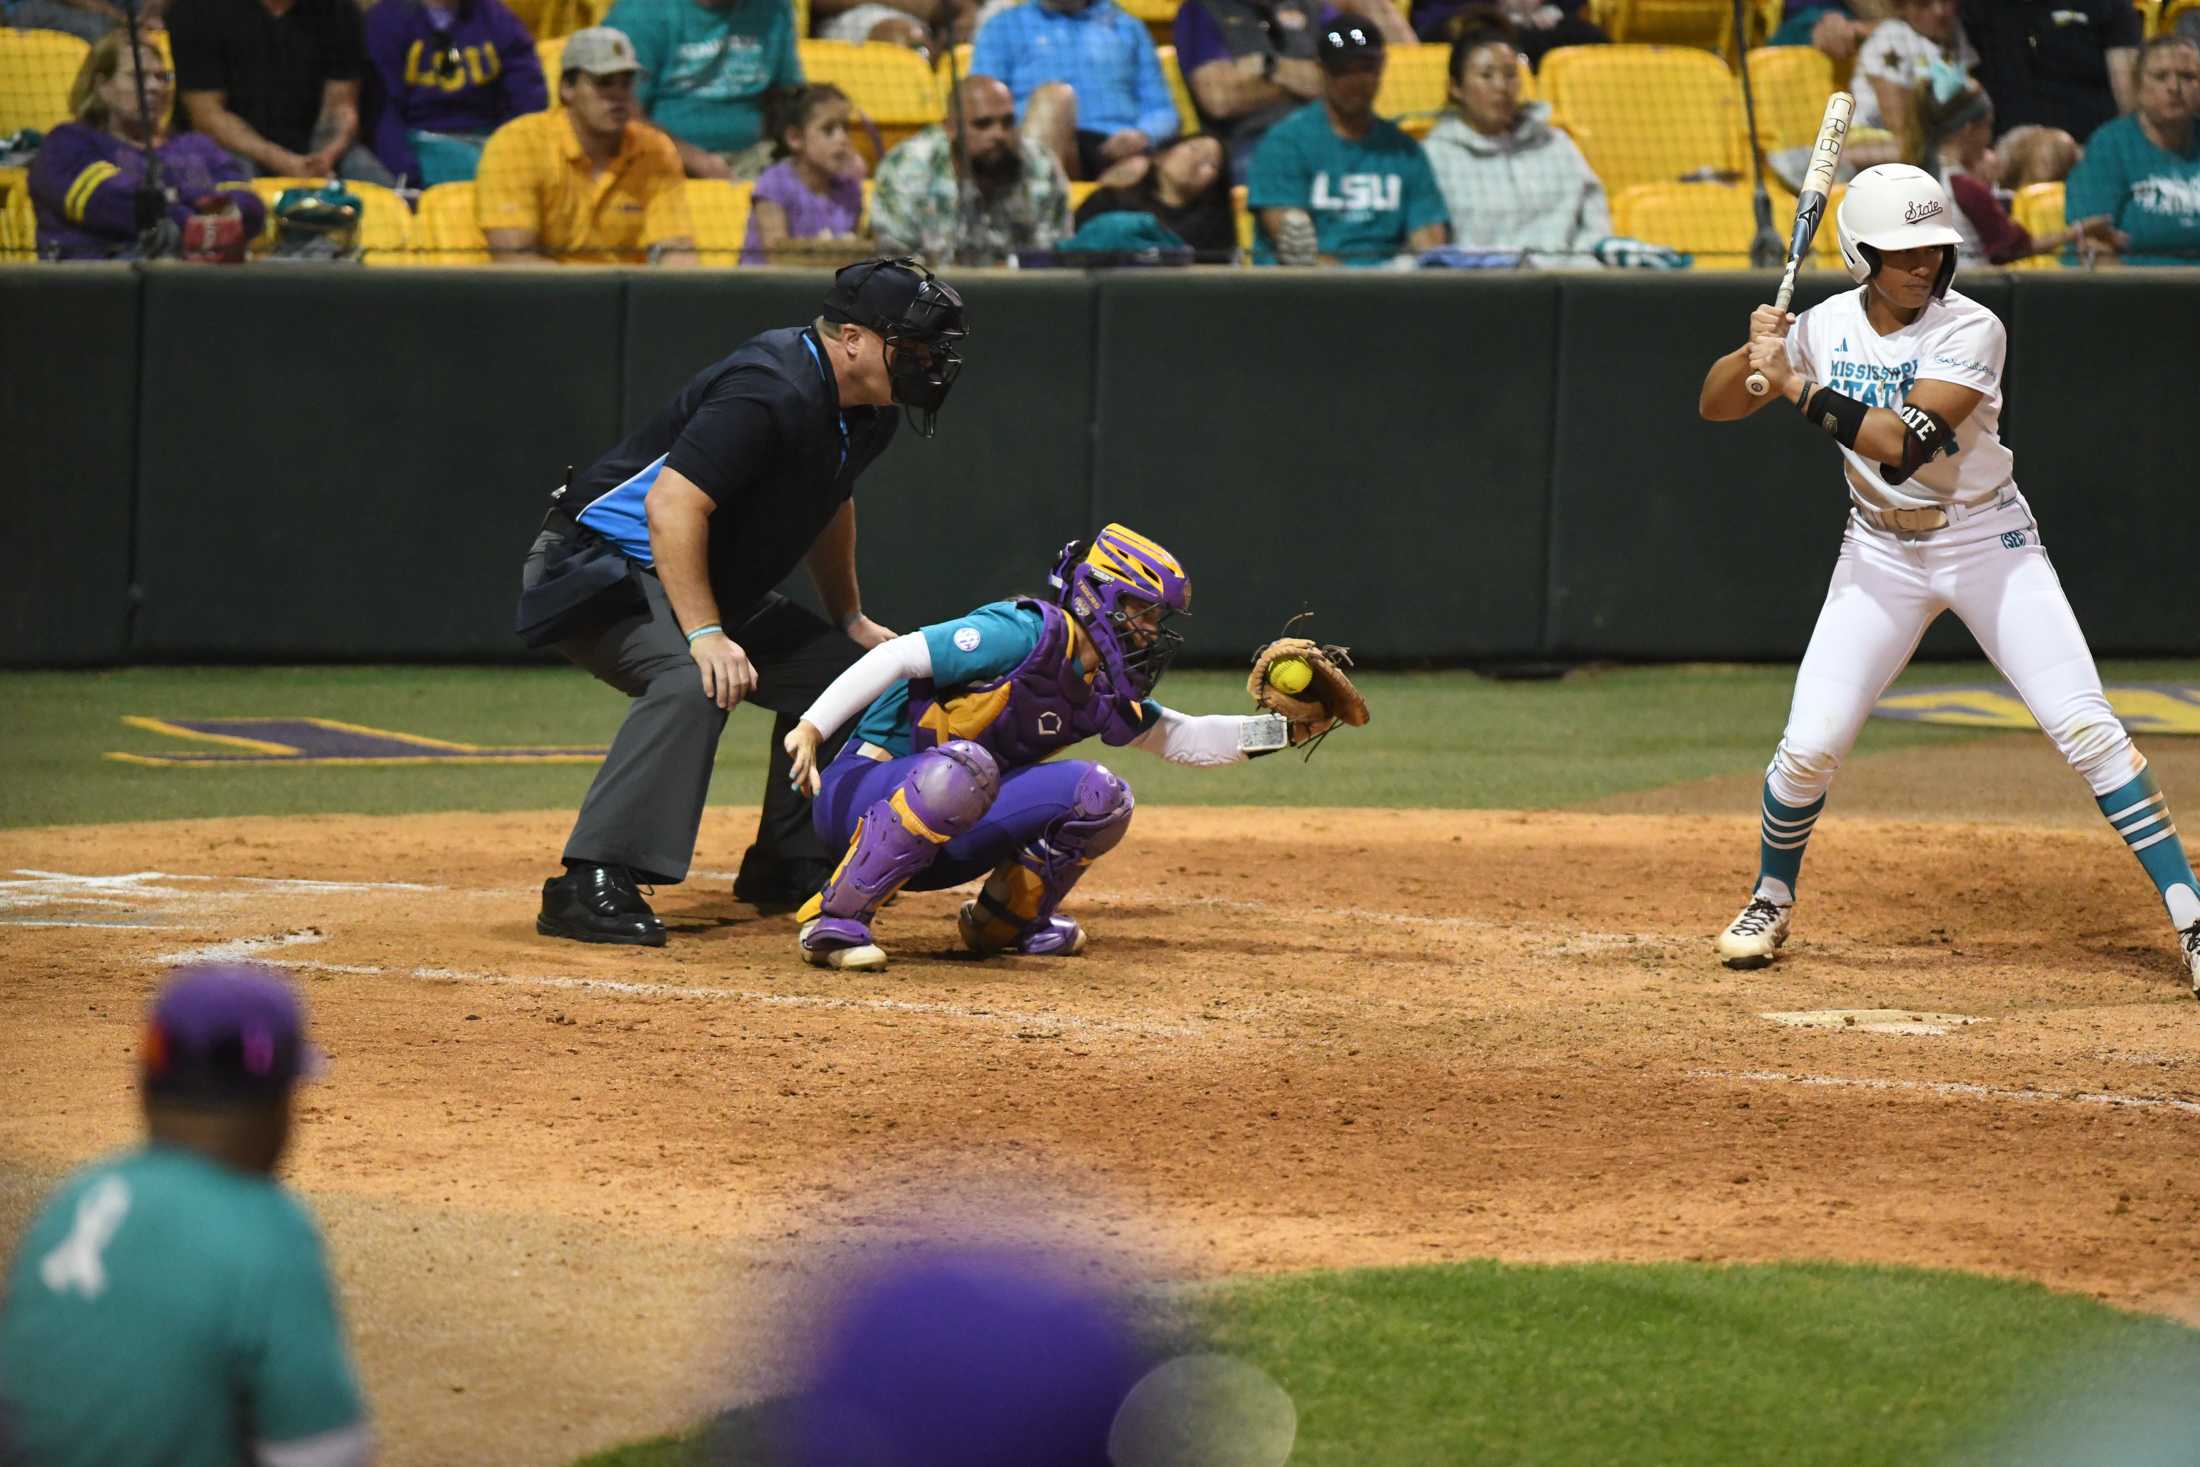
{"type": "Point", "coordinates": [1212, 740]}
{"type": "Point", "coordinates": [874, 672]}
{"type": "Point", "coordinates": [347, 1446]}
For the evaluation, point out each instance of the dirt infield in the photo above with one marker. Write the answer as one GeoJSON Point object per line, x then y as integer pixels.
{"type": "Point", "coordinates": [567, 1186]}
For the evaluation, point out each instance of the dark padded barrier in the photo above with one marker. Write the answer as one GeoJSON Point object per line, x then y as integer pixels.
{"type": "Point", "coordinates": [68, 416]}
{"type": "Point", "coordinates": [978, 511]}
{"type": "Point", "coordinates": [1375, 450]}
{"type": "Point", "coordinates": [351, 463]}
{"type": "Point", "coordinates": [2100, 414]}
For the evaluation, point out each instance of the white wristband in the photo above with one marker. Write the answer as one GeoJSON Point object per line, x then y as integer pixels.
{"type": "Point", "coordinates": [1264, 733]}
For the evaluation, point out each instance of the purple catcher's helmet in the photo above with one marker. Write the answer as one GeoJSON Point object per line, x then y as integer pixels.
{"type": "Point", "coordinates": [1105, 581]}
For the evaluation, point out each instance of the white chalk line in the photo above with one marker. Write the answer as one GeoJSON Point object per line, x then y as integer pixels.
{"type": "Point", "coordinates": [103, 926]}
{"type": "Point", "coordinates": [1955, 1088]}
{"type": "Point", "coordinates": [236, 948]}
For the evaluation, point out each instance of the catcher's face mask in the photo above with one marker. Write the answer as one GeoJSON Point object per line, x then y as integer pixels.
{"type": "Point", "coordinates": [1124, 589]}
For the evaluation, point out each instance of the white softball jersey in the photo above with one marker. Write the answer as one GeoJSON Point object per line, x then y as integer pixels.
{"type": "Point", "coordinates": [1952, 340]}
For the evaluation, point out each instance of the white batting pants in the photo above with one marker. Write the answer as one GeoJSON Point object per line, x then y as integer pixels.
{"type": "Point", "coordinates": [1989, 569]}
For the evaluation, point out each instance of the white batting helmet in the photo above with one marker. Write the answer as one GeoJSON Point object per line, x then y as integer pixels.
{"type": "Point", "coordinates": [1895, 207]}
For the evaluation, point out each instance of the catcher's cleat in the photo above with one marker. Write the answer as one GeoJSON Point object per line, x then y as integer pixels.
{"type": "Point", "coordinates": [1751, 940]}
{"type": "Point", "coordinates": [1049, 937]}
{"type": "Point", "coordinates": [836, 942]}
{"type": "Point", "coordinates": [591, 903]}
{"type": "Point", "coordinates": [2191, 937]}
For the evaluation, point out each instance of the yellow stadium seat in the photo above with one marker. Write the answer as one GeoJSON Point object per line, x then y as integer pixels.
{"type": "Point", "coordinates": [943, 74]}
{"type": "Point", "coordinates": [1647, 114]}
{"type": "Point", "coordinates": [1244, 224]}
{"type": "Point", "coordinates": [721, 213]}
{"type": "Point", "coordinates": [2172, 12]}
{"type": "Point", "coordinates": [892, 85]}
{"type": "Point", "coordinates": [546, 19]}
{"type": "Point", "coordinates": [1079, 191]}
{"type": "Point", "coordinates": [2150, 17]}
{"type": "Point", "coordinates": [1416, 81]}
{"type": "Point", "coordinates": [36, 69]}
{"type": "Point", "coordinates": [2039, 208]}
{"type": "Point", "coordinates": [1763, 19]}
{"type": "Point", "coordinates": [1159, 16]}
{"type": "Point", "coordinates": [1790, 85]}
{"type": "Point", "coordinates": [552, 55]}
{"type": "Point", "coordinates": [385, 224]}
{"type": "Point", "coordinates": [1715, 222]}
{"type": "Point", "coordinates": [1187, 114]}
{"type": "Point", "coordinates": [1704, 24]}
{"type": "Point", "coordinates": [18, 219]}
{"type": "Point", "coordinates": [446, 230]}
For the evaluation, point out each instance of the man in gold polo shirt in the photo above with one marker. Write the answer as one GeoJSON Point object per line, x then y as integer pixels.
{"type": "Point", "coordinates": [586, 182]}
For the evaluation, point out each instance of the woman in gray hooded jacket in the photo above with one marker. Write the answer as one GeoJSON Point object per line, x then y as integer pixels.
{"type": "Point", "coordinates": [1510, 179]}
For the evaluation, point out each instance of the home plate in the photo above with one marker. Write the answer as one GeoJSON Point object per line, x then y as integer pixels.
{"type": "Point", "coordinates": [1873, 1021]}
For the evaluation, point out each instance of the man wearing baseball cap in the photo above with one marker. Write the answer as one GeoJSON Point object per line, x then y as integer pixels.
{"type": "Point", "coordinates": [655, 571]}
{"type": "Point", "coordinates": [172, 1304]}
{"type": "Point", "coordinates": [1334, 184]}
{"type": "Point", "coordinates": [587, 181]}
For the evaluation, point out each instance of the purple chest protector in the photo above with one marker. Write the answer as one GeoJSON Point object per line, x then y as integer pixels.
{"type": "Point", "coordinates": [1043, 705]}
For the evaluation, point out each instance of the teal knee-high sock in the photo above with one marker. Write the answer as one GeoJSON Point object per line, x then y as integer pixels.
{"type": "Point", "coordinates": [1781, 837]}
{"type": "Point", "coordinates": [2141, 816]}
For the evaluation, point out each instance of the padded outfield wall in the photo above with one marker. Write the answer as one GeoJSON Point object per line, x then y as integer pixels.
{"type": "Point", "coordinates": [282, 463]}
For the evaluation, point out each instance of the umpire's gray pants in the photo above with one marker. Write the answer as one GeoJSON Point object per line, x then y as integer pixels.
{"type": "Point", "coordinates": [646, 804]}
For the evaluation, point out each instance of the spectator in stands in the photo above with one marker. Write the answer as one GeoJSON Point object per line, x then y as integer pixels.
{"type": "Point", "coordinates": [589, 182]}
{"type": "Point", "coordinates": [2143, 171]}
{"type": "Point", "coordinates": [807, 204]}
{"type": "Point", "coordinates": [1334, 184]}
{"type": "Point", "coordinates": [1833, 26]}
{"type": "Point", "coordinates": [85, 180]}
{"type": "Point", "coordinates": [1085, 76]}
{"type": "Point", "coordinates": [1006, 196]}
{"type": "Point", "coordinates": [1510, 180]}
{"type": "Point", "coordinates": [1537, 27]}
{"type": "Point", "coordinates": [444, 75]}
{"type": "Point", "coordinates": [2066, 65]}
{"type": "Point", "coordinates": [87, 20]}
{"type": "Point", "coordinates": [918, 24]}
{"type": "Point", "coordinates": [1890, 64]}
{"type": "Point", "coordinates": [1185, 186]}
{"type": "Point", "coordinates": [1250, 63]}
{"type": "Point", "coordinates": [276, 82]}
{"type": "Point", "coordinates": [1952, 133]}
{"type": "Point", "coordinates": [707, 65]}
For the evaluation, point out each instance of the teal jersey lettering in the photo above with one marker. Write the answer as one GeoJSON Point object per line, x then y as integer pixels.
{"type": "Point", "coordinates": [1365, 195]}
{"type": "Point", "coordinates": [981, 647]}
{"type": "Point", "coordinates": [705, 71]}
{"type": "Point", "coordinates": [165, 1308]}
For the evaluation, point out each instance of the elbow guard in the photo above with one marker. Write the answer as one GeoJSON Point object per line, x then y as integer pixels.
{"type": "Point", "coordinates": [1926, 435]}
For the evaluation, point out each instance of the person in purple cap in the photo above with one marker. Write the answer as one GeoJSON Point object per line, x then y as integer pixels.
{"type": "Point", "coordinates": [948, 776]}
{"type": "Point", "coordinates": [172, 1304]}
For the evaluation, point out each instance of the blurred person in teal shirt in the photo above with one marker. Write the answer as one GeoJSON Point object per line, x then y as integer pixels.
{"type": "Point", "coordinates": [2142, 170]}
{"type": "Point", "coordinates": [708, 67]}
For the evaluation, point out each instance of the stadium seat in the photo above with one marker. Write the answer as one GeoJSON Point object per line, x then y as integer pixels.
{"type": "Point", "coordinates": [1707, 25]}
{"type": "Point", "coordinates": [552, 55]}
{"type": "Point", "coordinates": [2171, 13]}
{"type": "Point", "coordinates": [1244, 224]}
{"type": "Point", "coordinates": [18, 220]}
{"type": "Point", "coordinates": [1789, 85]}
{"type": "Point", "coordinates": [2150, 17]}
{"type": "Point", "coordinates": [1416, 83]}
{"type": "Point", "coordinates": [891, 85]}
{"type": "Point", "coordinates": [721, 213]}
{"type": "Point", "coordinates": [2039, 208]}
{"type": "Point", "coordinates": [942, 73]}
{"type": "Point", "coordinates": [1159, 16]}
{"type": "Point", "coordinates": [1187, 115]}
{"type": "Point", "coordinates": [385, 224]}
{"type": "Point", "coordinates": [36, 68]}
{"type": "Point", "coordinates": [446, 232]}
{"type": "Point", "coordinates": [1647, 114]}
{"type": "Point", "coordinates": [549, 19]}
{"type": "Point", "coordinates": [1714, 222]}
{"type": "Point", "coordinates": [1079, 191]}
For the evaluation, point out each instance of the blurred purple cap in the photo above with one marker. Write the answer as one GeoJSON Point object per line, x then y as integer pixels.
{"type": "Point", "coordinates": [223, 1032]}
{"type": "Point", "coordinates": [966, 1359]}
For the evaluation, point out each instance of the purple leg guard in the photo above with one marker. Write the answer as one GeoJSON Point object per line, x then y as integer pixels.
{"type": "Point", "coordinates": [1017, 907]}
{"type": "Point", "coordinates": [948, 790]}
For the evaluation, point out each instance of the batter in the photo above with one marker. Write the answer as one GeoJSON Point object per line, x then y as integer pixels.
{"type": "Point", "coordinates": [1906, 375]}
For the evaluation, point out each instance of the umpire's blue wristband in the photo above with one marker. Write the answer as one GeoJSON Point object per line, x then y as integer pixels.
{"type": "Point", "coordinates": [703, 632]}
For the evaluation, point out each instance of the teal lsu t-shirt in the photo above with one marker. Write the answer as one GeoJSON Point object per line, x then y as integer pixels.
{"type": "Point", "coordinates": [706, 71]}
{"type": "Point", "coordinates": [165, 1308]}
{"type": "Point", "coordinates": [1366, 195]}
{"type": "Point", "coordinates": [981, 647]}
{"type": "Point", "coordinates": [2148, 192]}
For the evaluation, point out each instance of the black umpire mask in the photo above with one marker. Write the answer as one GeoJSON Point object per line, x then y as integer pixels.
{"type": "Point", "coordinates": [919, 317]}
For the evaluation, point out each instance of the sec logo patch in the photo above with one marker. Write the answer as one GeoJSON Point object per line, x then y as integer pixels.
{"type": "Point", "coordinates": [966, 639]}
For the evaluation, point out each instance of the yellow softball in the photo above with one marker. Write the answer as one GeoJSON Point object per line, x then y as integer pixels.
{"type": "Point", "coordinates": [1290, 674]}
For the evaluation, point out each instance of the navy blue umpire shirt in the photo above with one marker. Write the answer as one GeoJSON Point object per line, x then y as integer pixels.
{"type": "Point", "coordinates": [764, 435]}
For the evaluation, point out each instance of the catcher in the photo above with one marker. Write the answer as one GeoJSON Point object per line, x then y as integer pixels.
{"type": "Point", "coordinates": [942, 780]}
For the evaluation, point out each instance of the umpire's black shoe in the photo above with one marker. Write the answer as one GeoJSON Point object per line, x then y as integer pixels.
{"type": "Point", "coordinates": [782, 887]}
{"type": "Point", "coordinates": [598, 904]}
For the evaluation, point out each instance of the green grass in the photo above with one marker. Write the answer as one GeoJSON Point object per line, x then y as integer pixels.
{"type": "Point", "coordinates": [1438, 739]}
{"type": "Point", "coordinates": [1807, 1365]}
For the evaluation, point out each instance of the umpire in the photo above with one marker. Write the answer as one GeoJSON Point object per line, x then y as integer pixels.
{"type": "Point", "coordinates": [655, 572]}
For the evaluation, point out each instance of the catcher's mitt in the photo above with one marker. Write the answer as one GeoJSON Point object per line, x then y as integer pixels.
{"type": "Point", "coordinates": [1328, 698]}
